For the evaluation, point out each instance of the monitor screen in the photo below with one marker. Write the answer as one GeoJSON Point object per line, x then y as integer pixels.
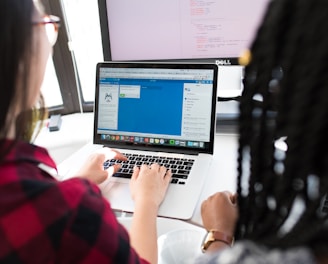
{"type": "Point", "coordinates": [208, 30]}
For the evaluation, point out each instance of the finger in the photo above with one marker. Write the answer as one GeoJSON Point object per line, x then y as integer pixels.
{"type": "Point", "coordinates": [162, 170]}
{"type": "Point", "coordinates": [155, 166]}
{"type": "Point", "coordinates": [113, 169]}
{"type": "Point", "coordinates": [217, 194]}
{"type": "Point", "coordinates": [110, 154]}
{"type": "Point", "coordinates": [227, 193]}
{"type": "Point", "coordinates": [233, 198]}
{"type": "Point", "coordinates": [168, 176]}
{"type": "Point", "coordinates": [144, 167]}
{"type": "Point", "coordinates": [135, 173]}
{"type": "Point", "coordinates": [119, 156]}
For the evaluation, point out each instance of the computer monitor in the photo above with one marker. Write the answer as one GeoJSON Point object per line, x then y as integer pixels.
{"type": "Point", "coordinates": [203, 30]}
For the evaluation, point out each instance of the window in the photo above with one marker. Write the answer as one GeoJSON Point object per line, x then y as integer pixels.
{"type": "Point", "coordinates": [70, 78]}
{"type": "Point", "coordinates": [83, 24]}
{"type": "Point", "coordinates": [50, 87]}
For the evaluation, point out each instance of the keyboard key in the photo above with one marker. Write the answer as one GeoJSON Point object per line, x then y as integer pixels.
{"type": "Point", "coordinates": [179, 176]}
{"type": "Point", "coordinates": [122, 175]}
{"type": "Point", "coordinates": [174, 181]}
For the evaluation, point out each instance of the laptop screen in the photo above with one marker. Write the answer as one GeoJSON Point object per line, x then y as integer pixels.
{"type": "Point", "coordinates": [155, 105]}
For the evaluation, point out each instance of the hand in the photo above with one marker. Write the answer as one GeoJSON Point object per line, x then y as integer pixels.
{"type": "Point", "coordinates": [149, 184]}
{"type": "Point", "coordinates": [93, 169]}
{"type": "Point", "coordinates": [219, 212]}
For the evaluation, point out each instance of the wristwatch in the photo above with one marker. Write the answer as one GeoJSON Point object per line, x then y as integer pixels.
{"type": "Point", "coordinates": [215, 235]}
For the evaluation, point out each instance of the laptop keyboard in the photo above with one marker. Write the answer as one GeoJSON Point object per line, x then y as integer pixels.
{"type": "Point", "coordinates": [180, 167]}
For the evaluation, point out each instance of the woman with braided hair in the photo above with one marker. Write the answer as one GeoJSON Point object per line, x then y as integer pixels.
{"type": "Point", "coordinates": [277, 215]}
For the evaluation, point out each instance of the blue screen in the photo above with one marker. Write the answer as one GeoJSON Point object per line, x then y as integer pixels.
{"type": "Point", "coordinates": [157, 111]}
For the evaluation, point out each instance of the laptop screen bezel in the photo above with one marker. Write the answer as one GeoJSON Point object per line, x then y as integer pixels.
{"type": "Point", "coordinates": [209, 148]}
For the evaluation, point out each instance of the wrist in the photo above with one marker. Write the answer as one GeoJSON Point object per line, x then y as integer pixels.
{"type": "Point", "coordinates": [216, 246]}
{"type": "Point", "coordinates": [146, 203]}
{"type": "Point", "coordinates": [218, 238]}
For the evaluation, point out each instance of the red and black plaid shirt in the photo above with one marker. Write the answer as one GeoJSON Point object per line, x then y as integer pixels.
{"type": "Point", "coordinates": [43, 220]}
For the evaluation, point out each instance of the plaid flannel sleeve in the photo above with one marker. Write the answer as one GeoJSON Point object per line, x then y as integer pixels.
{"type": "Point", "coordinates": [92, 233]}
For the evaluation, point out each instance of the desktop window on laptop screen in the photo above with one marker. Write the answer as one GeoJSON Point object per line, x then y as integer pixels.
{"type": "Point", "coordinates": [160, 107]}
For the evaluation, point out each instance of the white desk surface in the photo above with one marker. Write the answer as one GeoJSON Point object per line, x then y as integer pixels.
{"type": "Point", "coordinates": [221, 177]}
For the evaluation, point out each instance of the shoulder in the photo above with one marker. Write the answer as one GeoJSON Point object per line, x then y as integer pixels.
{"type": "Point", "coordinates": [249, 252]}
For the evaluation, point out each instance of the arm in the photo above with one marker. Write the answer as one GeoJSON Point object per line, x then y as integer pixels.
{"type": "Point", "coordinates": [148, 187]}
{"type": "Point", "coordinates": [219, 212]}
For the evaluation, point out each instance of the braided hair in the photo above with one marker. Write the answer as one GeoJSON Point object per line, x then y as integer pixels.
{"type": "Point", "coordinates": [283, 144]}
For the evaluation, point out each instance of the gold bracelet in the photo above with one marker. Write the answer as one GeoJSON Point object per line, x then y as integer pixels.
{"type": "Point", "coordinates": [215, 235]}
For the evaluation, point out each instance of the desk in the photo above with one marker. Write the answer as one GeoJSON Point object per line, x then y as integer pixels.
{"type": "Point", "coordinates": [221, 177]}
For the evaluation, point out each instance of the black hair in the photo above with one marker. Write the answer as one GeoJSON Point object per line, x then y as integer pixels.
{"type": "Point", "coordinates": [283, 127]}
{"type": "Point", "coordinates": [16, 50]}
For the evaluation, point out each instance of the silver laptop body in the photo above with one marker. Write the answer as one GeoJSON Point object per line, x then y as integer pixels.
{"type": "Point", "coordinates": [158, 110]}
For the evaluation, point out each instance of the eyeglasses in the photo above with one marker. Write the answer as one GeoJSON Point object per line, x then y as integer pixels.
{"type": "Point", "coordinates": [52, 24]}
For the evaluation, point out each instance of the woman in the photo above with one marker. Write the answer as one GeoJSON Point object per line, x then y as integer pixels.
{"type": "Point", "coordinates": [283, 154]}
{"type": "Point", "coordinates": [43, 220]}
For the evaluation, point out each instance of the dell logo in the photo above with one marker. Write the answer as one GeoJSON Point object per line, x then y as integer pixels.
{"type": "Point", "coordinates": [223, 62]}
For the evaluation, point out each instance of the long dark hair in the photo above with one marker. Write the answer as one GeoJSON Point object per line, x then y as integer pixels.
{"type": "Point", "coordinates": [283, 145]}
{"type": "Point", "coordinates": [16, 50]}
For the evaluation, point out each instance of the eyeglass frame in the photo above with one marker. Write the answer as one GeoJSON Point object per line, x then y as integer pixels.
{"type": "Point", "coordinates": [50, 19]}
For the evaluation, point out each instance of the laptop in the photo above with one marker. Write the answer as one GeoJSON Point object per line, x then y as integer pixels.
{"type": "Point", "coordinates": [157, 112]}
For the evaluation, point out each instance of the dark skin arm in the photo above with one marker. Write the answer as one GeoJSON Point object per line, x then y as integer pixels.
{"type": "Point", "coordinates": [220, 212]}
